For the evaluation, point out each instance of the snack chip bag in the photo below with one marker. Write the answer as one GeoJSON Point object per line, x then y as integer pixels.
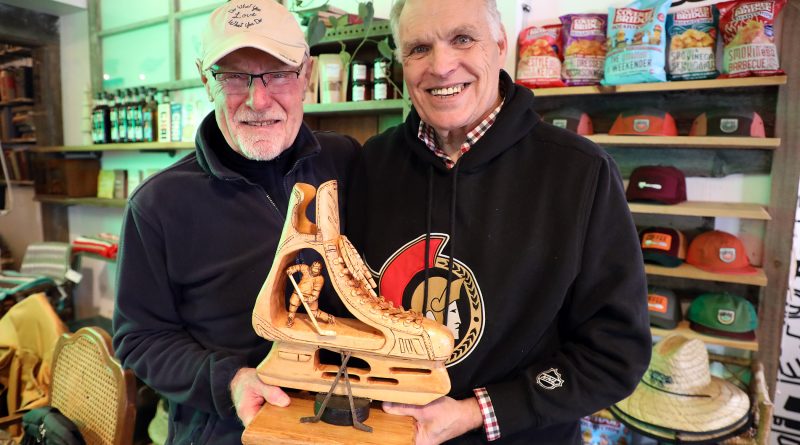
{"type": "Point", "coordinates": [584, 39]}
{"type": "Point", "coordinates": [692, 44]}
{"type": "Point", "coordinates": [637, 43]}
{"type": "Point", "coordinates": [539, 63]}
{"type": "Point", "coordinates": [747, 32]}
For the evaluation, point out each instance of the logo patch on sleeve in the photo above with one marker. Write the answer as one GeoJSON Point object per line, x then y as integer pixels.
{"type": "Point", "coordinates": [550, 379]}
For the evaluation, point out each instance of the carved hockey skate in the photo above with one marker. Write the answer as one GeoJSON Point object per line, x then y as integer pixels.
{"type": "Point", "coordinates": [404, 351]}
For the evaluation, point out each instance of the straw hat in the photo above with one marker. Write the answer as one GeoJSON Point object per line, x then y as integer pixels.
{"type": "Point", "coordinates": [679, 395]}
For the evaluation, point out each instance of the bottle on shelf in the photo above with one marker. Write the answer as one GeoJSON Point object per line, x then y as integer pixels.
{"type": "Point", "coordinates": [149, 117]}
{"type": "Point", "coordinates": [164, 117]}
{"type": "Point", "coordinates": [101, 121]}
{"type": "Point", "coordinates": [113, 111]}
{"type": "Point", "coordinates": [138, 118]}
{"type": "Point", "coordinates": [122, 116]}
{"type": "Point", "coordinates": [130, 114]}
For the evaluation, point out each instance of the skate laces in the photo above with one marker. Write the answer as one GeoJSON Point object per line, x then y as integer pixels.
{"type": "Point", "coordinates": [362, 275]}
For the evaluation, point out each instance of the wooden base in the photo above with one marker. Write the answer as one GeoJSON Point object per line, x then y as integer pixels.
{"type": "Point", "coordinates": [281, 426]}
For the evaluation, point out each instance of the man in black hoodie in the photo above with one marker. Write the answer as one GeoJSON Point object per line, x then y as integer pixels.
{"type": "Point", "coordinates": [199, 237]}
{"type": "Point", "coordinates": [513, 233]}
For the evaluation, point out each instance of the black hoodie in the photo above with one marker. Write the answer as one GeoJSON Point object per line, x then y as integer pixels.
{"type": "Point", "coordinates": [198, 240]}
{"type": "Point", "coordinates": [547, 280]}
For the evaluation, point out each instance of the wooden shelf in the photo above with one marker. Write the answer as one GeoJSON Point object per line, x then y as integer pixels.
{"type": "Point", "coordinates": [17, 183]}
{"type": "Point", "coordinates": [743, 143]}
{"type": "Point", "coordinates": [688, 271]}
{"type": "Point", "coordinates": [17, 102]}
{"type": "Point", "coordinates": [15, 53]}
{"type": "Point", "coordinates": [19, 141]}
{"type": "Point", "coordinates": [684, 329]}
{"type": "Point", "coordinates": [701, 208]}
{"type": "Point", "coordinates": [365, 107]}
{"type": "Point", "coordinates": [745, 82]}
{"type": "Point", "coordinates": [67, 201]}
{"type": "Point", "coordinates": [378, 29]}
{"type": "Point", "coordinates": [126, 146]}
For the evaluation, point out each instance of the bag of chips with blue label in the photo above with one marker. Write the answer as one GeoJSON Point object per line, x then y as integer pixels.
{"type": "Point", "coordinates": [637, 43]}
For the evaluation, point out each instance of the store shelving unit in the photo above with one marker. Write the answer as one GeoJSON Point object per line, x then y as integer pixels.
{"type": "Point", "coordinates": [692, 273]}
{"type": "Point", "coordinates": [664, 86]}
{"type": "Point", "coordinates": [684, 329]}
{"type": "Point", "coordinates": [704, 209]}
{"type": "Point", "coordinates": [704, 142]}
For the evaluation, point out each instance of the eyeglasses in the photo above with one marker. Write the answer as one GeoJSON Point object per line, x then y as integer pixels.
{"type": "Point", "coordinates": [240, 83]}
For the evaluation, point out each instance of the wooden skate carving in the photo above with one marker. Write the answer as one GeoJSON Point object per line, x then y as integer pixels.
{"type": "Point", "coordinates": [404, 352]}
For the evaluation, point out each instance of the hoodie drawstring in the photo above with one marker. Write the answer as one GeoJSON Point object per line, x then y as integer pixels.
{"type": "Point", "coordinates": [451, 247]}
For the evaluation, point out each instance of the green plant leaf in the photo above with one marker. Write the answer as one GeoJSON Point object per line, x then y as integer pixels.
{"type": "Point", "coordinates": [345, 56]}
{"type": "Point", "coordinates": [316, 30]}
{"type": "Point", "coordinates": [367, 12]}
{"type": "Point", "coordinates": [385, 49]}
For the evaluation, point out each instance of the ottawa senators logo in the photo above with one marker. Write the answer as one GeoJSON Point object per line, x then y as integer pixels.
{"type": "Point", "coordinates": [401, 280]}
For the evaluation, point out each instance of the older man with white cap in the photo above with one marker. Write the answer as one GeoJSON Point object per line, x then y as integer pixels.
{"type": "Point", "coordinates": [199, 237]}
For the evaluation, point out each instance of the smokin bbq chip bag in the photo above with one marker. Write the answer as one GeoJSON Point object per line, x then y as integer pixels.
{"type": "Point", "coordinates": [748, 32]}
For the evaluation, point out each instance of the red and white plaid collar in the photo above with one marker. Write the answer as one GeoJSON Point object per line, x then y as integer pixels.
{"type": "Point", "coordinates": [427, 135]}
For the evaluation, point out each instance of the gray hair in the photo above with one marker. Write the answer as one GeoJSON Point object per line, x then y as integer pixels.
{"type": "Point", "coordinates": [490, 9]}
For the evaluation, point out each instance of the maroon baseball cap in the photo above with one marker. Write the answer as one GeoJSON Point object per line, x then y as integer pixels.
{"type": "Point", "coordinates": [663, 184]}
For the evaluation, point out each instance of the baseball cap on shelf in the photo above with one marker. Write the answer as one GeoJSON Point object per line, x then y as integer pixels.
{"type": "Point", "coordinates": [664, 307]}
{"type": "Point", "coordinates": [262, 24]}
{"type": "Point", "coordinates": [571, 119]}
{"type": "Point", "coordinates": [663, 184]}
{"type": "Point", "coordinates": [719, 252]}
{"type": "Point", "coordinates": [723, 315]}
{"type": "Point", "coordinates": [663, 246]}
{"type": "Point", "coordinates": [728, 123]}
{"type": "Point", "coordinates": [645, 122]}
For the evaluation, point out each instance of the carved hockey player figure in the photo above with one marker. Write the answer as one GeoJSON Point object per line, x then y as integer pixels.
{"type": "Point", "coordinates": [310, 286]}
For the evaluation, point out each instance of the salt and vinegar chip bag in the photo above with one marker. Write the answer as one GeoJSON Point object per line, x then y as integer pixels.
{"type": "Point", "coordinates": [747, 29]}
{"type": "Point", "coordinates": [637, 43]}
{"type": "Point", "coordinates": [584, 39]}
{"type": "Point", "coordinates": [539, 63]}
{"type": "Point", "coordinates": [692, 44]}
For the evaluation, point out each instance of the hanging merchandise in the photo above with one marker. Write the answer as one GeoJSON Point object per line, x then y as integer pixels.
{"type": "Point", "coordinates": [748, 32]}
{"type": "Point", "coordinates": [637, 46]}
{"type": "Point", "coordinates": [584, 42]}
{"type": "Point", "coordinates": [539, 58]}
{"type": "Point", "coordinates": [680, 401]}
{"type": "Point", "coordinates": [692, 44]}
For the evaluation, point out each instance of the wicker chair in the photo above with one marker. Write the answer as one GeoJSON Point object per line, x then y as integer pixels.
{"type": "Point", "coordinates": [91, 388]}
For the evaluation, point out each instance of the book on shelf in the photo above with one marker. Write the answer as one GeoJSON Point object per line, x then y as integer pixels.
{"type": "Point", "coordinates": [105, 184]}
{"type": "Point", "coordinates": [120, 184]}
{"type": "Point", "coordinates": [134, 179]}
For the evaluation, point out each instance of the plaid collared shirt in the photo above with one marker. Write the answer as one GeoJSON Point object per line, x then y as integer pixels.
{"type": "Point", "coordinates": [427, 135]}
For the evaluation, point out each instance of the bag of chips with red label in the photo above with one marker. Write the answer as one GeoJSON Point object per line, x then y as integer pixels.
{"type": "Point", "coordinates": [539, 63]}
{"type": "Point", "coordinates": [584, 37]}
{"type": "Point", "coordinates": [747, 28]}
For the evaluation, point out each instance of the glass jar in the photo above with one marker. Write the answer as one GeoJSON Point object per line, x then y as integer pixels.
{"type": "Point", "coordinates": [359, 91]}
{"type": "Point", "coordinates": [380, 89]}
{"type": "Point", "coordinates": [382, 68]}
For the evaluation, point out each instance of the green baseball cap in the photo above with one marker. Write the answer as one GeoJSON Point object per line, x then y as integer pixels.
{"type": "Point", "coordinates": [723, 315]}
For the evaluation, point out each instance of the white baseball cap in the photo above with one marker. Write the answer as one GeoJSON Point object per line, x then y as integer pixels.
{"type": "Point", "coordinates": [262, 24]}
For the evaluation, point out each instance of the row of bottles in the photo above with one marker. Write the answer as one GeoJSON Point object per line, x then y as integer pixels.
{"type": "Point", "coordinates": [132, 115]}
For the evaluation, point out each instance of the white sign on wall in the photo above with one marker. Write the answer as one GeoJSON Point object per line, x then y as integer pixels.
{"type": "Point", "coordinates": [786, 419]}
